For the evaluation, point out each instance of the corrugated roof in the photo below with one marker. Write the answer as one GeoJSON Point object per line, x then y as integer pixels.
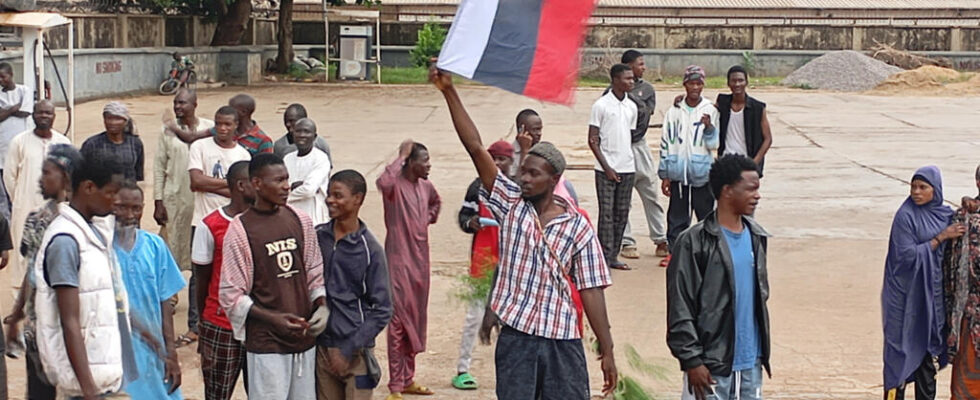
{"type": "Point", "coordinates": [755, 4]}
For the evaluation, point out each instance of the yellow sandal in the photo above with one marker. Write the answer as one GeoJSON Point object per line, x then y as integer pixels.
{"type": "Point", "coordinates": [417, 389]}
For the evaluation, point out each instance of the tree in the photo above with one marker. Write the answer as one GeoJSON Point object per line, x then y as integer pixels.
{"type": "Point", "coordinates": [232, 17]}
{"type": "Point", "coordinates": [284, 57]}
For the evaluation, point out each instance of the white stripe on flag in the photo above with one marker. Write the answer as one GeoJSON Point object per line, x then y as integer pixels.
{"type": "Point", "coordinates": [463, 49]}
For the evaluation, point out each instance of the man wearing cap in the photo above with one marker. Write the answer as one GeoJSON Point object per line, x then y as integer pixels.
{"type": "Point", "coordinates": [686, 145]}
{"type": "Point", "coordinates": [475, 218]}
{"type": "Point", "coordinates": [543, 240]}
{"type": "Point", "coordinates": [611, 123]}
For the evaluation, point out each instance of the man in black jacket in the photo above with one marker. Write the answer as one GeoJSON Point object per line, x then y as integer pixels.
{"type": "Point", "coordinates": [718, 323]}
{"type": "Point", "coordinates": [744, 125]}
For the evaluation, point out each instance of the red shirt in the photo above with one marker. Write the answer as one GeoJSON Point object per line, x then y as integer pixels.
{"type": "Point", "coordinates": [486, 247]}
{"type": "Point", "coordinates": [216, 225]}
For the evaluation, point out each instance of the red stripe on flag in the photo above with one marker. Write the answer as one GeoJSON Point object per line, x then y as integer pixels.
{"type": "Point", "coordinates": [561, 31]}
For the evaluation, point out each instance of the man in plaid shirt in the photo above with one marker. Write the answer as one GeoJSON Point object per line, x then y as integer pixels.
{"type": "Point", "coordinates": [551, 267]}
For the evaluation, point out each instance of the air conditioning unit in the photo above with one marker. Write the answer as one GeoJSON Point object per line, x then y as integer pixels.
{"type": "Point", "coordinates": [355, 47]}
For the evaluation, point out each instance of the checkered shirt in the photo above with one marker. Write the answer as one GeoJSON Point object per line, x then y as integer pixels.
{"type": "Point", "coordinates": [532, 294]}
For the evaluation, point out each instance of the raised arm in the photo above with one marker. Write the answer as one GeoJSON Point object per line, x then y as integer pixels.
{"type": "Point", "coordinates": [465, 128]}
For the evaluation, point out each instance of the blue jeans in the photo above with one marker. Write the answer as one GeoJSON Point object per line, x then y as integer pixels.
{"type": "Point", "coordinates": [740, 385]}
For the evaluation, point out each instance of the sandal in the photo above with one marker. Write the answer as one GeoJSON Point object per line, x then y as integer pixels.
{"type": "Point", "coordinates": [465, 381]}
{"type": "Point", "coordinates": [186, 339]}
{"type": "Point", "coordinates": [394, 396]}
{"type": "Point", "coordinates": [665, 262]}
{"type": "Point", "coordinates": [620, 266]}
{"type": "Point", "coordinates": [416, 389]}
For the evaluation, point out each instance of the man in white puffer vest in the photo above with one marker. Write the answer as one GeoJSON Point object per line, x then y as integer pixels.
{"type": "Point", "coordinates": [82, 313]}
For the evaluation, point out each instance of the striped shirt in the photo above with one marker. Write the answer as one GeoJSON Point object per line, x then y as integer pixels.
{"type": "Point", "coordinates": [532, 294]}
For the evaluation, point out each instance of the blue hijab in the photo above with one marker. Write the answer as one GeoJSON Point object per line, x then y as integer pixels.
{"type": "Point", "coordinates": [912, 293]}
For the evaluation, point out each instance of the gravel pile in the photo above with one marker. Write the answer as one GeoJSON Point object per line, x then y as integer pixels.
{"type": "Point", "coordinates": [847, 71]}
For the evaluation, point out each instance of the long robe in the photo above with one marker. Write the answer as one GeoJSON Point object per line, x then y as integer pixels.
{"type": "Point", "coordinates": [172, 185]}
{"type": "Point", "coordinates": [410, 207]}
{"type": "Point", "coordinates": [21, 173]}
{"type": "Point", "coordinates": [912, 294]}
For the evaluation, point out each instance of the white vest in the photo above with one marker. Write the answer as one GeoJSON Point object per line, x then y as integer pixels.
{"type": "Point", "coordinates": [97, 307]}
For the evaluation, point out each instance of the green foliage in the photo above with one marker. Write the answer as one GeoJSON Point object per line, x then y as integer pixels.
{"type": "Point", "coordinates": [748, 62]}
{"type": "Point", "coordinates": [429, 43]}
{"type": "Point", "coordinates": [472, 290]}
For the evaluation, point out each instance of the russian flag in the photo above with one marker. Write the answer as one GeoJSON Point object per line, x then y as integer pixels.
{"type": "Point", "coordinates": [528, 47]}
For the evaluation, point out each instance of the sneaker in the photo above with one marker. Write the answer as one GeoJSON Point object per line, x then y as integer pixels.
{"type": "Point", "coordinates": [662, 250]}
{"type": "Point", "coordinates": [629, 252]}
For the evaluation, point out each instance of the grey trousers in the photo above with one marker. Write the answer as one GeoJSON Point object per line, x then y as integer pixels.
{"type": "Point", "coordinates": [536, 368]}
{"type": "Point", "coordinates": [614, 210]}
{"type": "Point", "coordinates": [647, 185]}
{"type": "Point", "coordinates": [471, 329]}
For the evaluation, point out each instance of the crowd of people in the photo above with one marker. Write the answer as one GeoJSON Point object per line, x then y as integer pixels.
{"type": "Point", "coordinates": [289, 288]}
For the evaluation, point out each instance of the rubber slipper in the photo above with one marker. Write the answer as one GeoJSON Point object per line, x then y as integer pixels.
{"type": "Point", "coordinates": [186, 339]}
{"type": "Point", "coordinates": [620, 266]}
{"type": "Point", "coordinates": [417, 389]}
{"type": "Point", "coordinates": [465, 381]}
{"type": "Point", "coordinates": [665, 262]}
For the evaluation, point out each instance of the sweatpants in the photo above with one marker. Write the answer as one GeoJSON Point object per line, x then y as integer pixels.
{"type": "Point", "coordinates": [924, 379]}
{"type": "Point", "coordinates": [647, 185]}
{"type": "Point", "coordinates": [683, 200]}
{"type": "Point", "coordinates": [614, 210]}
{"type": "Point", "coordinates": [282, 376]}
{"type": "Point", "coordinates": [533, 367]}
{"type": "Point", "coordinates": [471, 329]}
{"type": "Point", "coordinates": [401, 358]}
{"type": "Point", "coordinates": [740, 385]}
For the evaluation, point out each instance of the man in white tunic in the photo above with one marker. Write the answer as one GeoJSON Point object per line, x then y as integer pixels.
{"type": "Point", "coordinates": [309, 173]}
{"type": "Point", "coordinates": [16, 105]}
{"type": "Point", "coordinates": [22, 171]}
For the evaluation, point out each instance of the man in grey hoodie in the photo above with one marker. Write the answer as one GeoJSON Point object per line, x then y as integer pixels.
{"type": "Point", "coordinates": [358, 294]}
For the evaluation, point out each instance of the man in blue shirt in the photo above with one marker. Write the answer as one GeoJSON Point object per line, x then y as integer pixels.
{"type": "Point", "coordinates": [717, 290]}
{"type": "Point", "coordinates": [152, 277]}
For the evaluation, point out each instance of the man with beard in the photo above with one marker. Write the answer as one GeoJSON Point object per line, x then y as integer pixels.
{"type": "Point", "coordinates": [22, 170]}
{"type": "Point", "coordinates": [151, 277]}
{"type": "Point", "coordinates": [411, 204]}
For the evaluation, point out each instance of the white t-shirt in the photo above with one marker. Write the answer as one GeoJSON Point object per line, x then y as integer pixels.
{"type": "Point", "coordinates": [615, 119]}
{"type": "Point", "coordinates": [202, 250]}
{"type": "Point", "coordinates": [735, 137]}
{"type": "Point", "coordinates": [11, 126]}
{"type": "Point", "coordinates": [313, 170]}
{"type": "Point", "coordinates": [206, 156]}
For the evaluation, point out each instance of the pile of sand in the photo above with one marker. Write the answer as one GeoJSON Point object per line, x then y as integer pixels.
{"type": "Point", "coordinates": [928, 80]}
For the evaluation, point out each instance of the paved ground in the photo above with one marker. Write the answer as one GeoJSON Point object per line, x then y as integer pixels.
{"type": "Point", "coordinates": [834, 178]}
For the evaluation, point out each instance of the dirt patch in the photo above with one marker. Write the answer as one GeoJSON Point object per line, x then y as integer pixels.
{"type": "Point", "coordinates": [928, 80]}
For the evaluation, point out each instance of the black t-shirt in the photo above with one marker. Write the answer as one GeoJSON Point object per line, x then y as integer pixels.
{"type": "Point", "coordinates": [5, 242]}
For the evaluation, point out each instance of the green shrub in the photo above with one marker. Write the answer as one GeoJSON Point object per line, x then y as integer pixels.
{"type": "Point", "coordinates": [428, 45]}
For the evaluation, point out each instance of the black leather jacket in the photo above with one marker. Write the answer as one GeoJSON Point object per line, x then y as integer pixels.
{"type": "Point", "coordinates": [701, 297]}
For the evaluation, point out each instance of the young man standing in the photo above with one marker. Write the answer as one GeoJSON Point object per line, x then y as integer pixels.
{"type": "Point", "coordinates": [717, 288]}
{"type": "Point", "coordinates": [173, 200]}
{"type": "Point", "coordinates": [689, 136]}
{"type": "Point", "coordinates": [474, 219]}
{"type": "Point", "coordinates": [22, 169]}
{"type": "Point", "coordinates": [16, 104]}
{"type": "Point", "coordinates": [249, 135]}
{"type": "Point", "coordinates": [82, 312]}
{"type": "Point", "coordinates": [612, 121]}
{"type": "Point", "coordinates": [285, 145]}
{"type": "Point", "coordinates": [358, 294]}
{"type": "Point", "coordinates": [309, 173]}
{"type": "Point", "coordinates": [744, 127]}
{"type": "Point", "coordinates": [222, 356]}
{"type": "Point", "coordinates": [411, 204]}
{"type": "Point", "coordinates": [529, 131]}
{"type": "Point", "coordinates": [645, 181]}
{"type": "Point", "coordinates": [272, 287]}
{"type": "Point", "coordinates": [151, 277]}
{"type": "Point", "coordinates": [208, 163]}
{"type": "Point", "coordinates": [543, 240]}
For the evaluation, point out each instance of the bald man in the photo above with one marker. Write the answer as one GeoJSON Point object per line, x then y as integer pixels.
{"type": "Point", "coordinates": [309, 172]}
{"type": "Point", "coordinates": [249, 135]}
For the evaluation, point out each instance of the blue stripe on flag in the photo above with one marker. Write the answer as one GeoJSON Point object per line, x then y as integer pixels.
{"type": "Point", "coordinates": [509, 53]}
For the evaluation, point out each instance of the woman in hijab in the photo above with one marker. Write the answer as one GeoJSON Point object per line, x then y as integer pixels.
{"type": "Point", "coordinates": [119, 140]}
{"type": "Point", "coordinates": [912, 294]}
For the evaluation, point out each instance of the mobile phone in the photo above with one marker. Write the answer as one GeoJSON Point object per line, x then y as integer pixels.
{"type": "Point", "coordinates": [520, 128]}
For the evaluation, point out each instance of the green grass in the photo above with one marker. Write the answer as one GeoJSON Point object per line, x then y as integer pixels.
{"type": "Point", "coordinates": [720, 82]}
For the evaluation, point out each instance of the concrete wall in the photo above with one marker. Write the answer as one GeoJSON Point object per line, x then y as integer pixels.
{"type": "Point", "coordinates": [102, 31]}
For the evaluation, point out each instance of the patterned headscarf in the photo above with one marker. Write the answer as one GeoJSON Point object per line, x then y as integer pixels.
{"type": "Point", "coordinates": [116, 108]}
{"type": "Point", "coordinates": [694, 73]}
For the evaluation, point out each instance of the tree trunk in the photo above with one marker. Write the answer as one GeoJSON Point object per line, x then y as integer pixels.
{"type": "Point", "coordinates": [231, 23]}
{"type": "Point", "coordinates": [285, 36]}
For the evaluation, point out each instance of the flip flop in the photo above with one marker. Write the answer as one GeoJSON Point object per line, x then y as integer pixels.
{"type": "Point", "coordinates": [186, 339]}
{"type": "Point", "coordinates": [416, 389]}
{"type": "Point", "coordinates": [620, 266]}
{"type": "Point", "coordinates": [665, 262]}
{"type": "Point", "coordinates": [394, 396]}
{"type": "Point", "coordinates": [465, 381]}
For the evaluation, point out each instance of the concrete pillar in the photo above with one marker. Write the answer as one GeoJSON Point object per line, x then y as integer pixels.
{"type": "Point", "coordinates": [162, 24]}
{"type": "Point", "coordinates": [80, 32]}
{"type": "Point", "coordinates": [660, 37]}
{"type": "Point", "coordinates": [955, 39]}
{"type": "Point", "coordinates": [857, 38]}
{"type": "Point", "coordinates": [757, 38]}
{"type": "Point", "coordinates": [122, 39]}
